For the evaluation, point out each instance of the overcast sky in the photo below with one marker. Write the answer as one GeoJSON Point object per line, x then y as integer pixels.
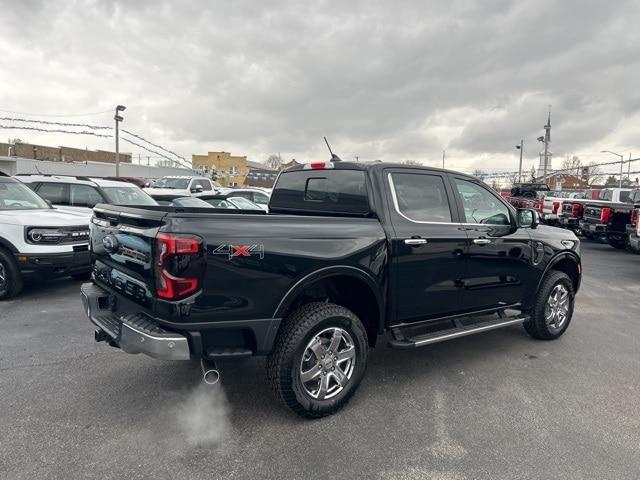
{"type": "Point", "coordinates": [382, 80]}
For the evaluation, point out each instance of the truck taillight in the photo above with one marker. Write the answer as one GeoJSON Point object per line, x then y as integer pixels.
{"type": "Point", "coordinates": [318, 165]}
{"type": "Point", "coordinates": [605, 213]}
{"type": "Point", "coordinates": [634, 217]}
{"type": "Point", "coordinates": [175, 277]}
{"type": "Point", "coordinates": [576, 210]}
{"type": "Point", "coordinates": [556, 207]}
{"type": "Point", "coordinates": [538, 205]}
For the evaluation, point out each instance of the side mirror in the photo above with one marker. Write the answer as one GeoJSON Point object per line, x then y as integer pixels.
{"type": "Point", "coordinates": [197, 189]}
{"type": "Point", "coordinates": [528, 218]}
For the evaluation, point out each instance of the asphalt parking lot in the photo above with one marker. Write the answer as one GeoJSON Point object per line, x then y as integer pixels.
{"type": "Point", "coordinates": [497, 405]}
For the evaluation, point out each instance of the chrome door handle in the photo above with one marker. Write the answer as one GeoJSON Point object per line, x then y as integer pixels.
{"type": "Point", "coordinates": [481, 241]}
{"type": "Point", "coordinates": [415, 241]}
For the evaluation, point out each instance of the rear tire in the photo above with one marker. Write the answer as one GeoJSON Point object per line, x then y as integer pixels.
{"type": "Point", "coordinates": [10, 278]}
{"type": "Point", "coordinates": [322, 336]}
{"type": "Point", "coordinates": [620, 244]}
{"type": "Point", "coordinates": [552, 312]}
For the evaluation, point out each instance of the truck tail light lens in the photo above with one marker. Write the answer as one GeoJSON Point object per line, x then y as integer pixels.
{"type": "Point", "coordinates": [318, 165]}
{"type": "Point", "coordinates": [556, 207]}
{"type": "Point", "coordinates": [175, 275]}
{"type": "Point", "coordinates": [634, 217]}
{"type": "Point", "coordinates": [576, 210]}
{"type": "Point", "coordinates": [605, 213]}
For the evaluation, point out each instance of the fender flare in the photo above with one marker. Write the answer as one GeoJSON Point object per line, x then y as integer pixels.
{"type": "Point", "coordinates": [555, 259]}
{"type": "Point", "coordinates": [327, 272]}
{"type": "Point", "coordinates": [8, 245]}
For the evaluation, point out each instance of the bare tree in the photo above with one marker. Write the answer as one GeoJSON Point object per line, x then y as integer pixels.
{"type": "Point", "coordinates": [595, 175]}
{"type": "Point", "coordinates": [274, 161]}
{"type": "Point", "coordinates": [572, 164]}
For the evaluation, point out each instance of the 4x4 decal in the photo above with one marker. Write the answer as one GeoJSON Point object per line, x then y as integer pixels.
{"type": "Point", "coordinates": [232, 251]}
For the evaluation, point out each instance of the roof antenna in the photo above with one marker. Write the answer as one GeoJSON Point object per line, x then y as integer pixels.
{"type": "Point", "coordinates": [334, 157]}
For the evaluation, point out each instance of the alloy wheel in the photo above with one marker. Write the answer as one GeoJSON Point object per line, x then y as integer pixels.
{"type": "Point", "coordinates": [327, 363]}
{"type": "Point", "coordinates": [556, 311]}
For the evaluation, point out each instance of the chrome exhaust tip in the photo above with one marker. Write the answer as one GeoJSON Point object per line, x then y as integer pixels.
{"type": "Point", "coordinates": [210, 373]}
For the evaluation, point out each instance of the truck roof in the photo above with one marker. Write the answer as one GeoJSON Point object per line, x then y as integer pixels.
{"type": "Point", "coordinates": [370, 166]}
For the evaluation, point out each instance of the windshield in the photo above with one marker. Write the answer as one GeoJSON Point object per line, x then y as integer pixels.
{"type": "Point", "coordinates": [244, 204]}
{"type": "Point", "coordinates": [172, 182]}
{"type": "Point", "coordinates": [128, 195]}
{"type": "Point", "coordinates": [16, 196]}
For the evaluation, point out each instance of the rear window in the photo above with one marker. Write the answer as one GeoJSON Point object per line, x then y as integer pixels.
{"type": "Point", "coordinates": [321, 191]}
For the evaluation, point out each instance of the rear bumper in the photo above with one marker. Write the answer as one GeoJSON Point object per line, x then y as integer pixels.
{"type": "Point", "coordinates": [53, 264]}
{"type": "Point", "coordinates": [568, 222]}
{"type": "Point", "coordinates": [593, 227]}
{"type": "Point", "coordinates": [129, 327]}
{"type": "Point", "coordinates": [134, 332]}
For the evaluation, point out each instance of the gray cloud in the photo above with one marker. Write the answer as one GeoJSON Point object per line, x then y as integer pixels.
{"type": "Point", "coordinates": [381, 80]}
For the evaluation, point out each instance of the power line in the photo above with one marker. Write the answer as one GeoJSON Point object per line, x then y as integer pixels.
{"type": "Point", "coordinates": [37, 129]}
{"type": "Point", "coordinates": [61, 115]}
{"type": "Point", "coordinates": [63, 124]}
{"type": "Point", "coordinates": [151, 143]}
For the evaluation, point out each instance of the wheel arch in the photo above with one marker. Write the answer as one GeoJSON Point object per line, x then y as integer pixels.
{"type": "Point", "coordinates": [8, 245]}
{"type": "Point", "coordinates": [344, 285]}
{"type": "Point", "coordinates": [566, 262]}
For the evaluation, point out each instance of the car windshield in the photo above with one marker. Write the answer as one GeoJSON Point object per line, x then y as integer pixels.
{"type": "Point", "coordinates": [172, 182]}
{"type": "Point", "coordinates": [16, 196]}
{"type": "Point", "coordinates": [220, 203]}
{"type": "Point", "coordinates": [244, 204]}
{"type": "Point", "coordinates": [128, 195]}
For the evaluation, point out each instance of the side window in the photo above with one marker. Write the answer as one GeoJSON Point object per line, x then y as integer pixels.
{"type": "Point", "coordinates": [480, 205]}
{"type": "Point", "coordinates": [420, 197]}
{"type": "Point", "coordinates": [84, 196]}
{"type": "Point", "coordinates": [260, 198]}
{"type": "Point", "coordinates": [54, 192]}
{"type": "Point", "coordinates": [206, 185]}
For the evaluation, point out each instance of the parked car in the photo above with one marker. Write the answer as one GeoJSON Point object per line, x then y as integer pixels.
{"type": "Point", "coordinates": [256, 196]}
{"type": "Point", "coordinates": [83, 193]}
{"type": "Point", "coordinates": [137, 181]}
{"type": "Point", "coordinates": [207, 201]}
{"type": "Point", "coordinates": [184, 185]}
{"type": "Point", "coordinates": [347, 252]}
{"type": "Point", "coordinates": [38, 241]}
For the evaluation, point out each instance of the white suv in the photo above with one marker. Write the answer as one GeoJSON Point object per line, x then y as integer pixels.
{"type": "Point", "coordinates": [84, 193]}
{"type": "Point", "coordinates": [37, 240]}
{"type": "Point", "coordinates": [187, 186]}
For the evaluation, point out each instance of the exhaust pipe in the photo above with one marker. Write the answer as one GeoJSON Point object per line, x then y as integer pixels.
{"type": "Point", "coordinates": [210, 373]}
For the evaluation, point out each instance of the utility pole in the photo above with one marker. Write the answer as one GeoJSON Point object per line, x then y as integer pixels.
{"type": "Point", "coordinates": [443, 154]}
{"type": "Point", "coordinates": [520, 147]}
{"type": "Point", "coordinates": [547, 139]}
{"type": "Point", "coordinates": [118, 119]}
{"type": "Point", "coordinates": [629, 169]}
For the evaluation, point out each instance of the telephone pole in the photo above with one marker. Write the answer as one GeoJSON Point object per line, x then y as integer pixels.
{"type": "Point", "coordinates": [443, 154]}
{"type": "Point", "coordinates": [547, 139]}
{"type": "Point", "coordinates": [118, 118]}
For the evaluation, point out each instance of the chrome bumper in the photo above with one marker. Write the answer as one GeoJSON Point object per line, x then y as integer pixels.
{"type": "Point", "coordinates": [134, 332]}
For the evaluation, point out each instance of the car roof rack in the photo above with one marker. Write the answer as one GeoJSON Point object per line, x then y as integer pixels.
{"type": "Point", "coordinates": [57, 175]}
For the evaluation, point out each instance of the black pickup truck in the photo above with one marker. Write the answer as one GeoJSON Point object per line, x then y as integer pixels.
{"type": "Point", "coordinates": [347, 252]}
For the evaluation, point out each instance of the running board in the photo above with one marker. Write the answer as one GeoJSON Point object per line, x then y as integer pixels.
{"type": "Point", "coordinates": [401, 341]}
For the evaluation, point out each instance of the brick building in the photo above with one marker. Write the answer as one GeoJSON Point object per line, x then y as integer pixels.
{"type": "Point", "coordinates": [230, 170]}
{"type": "Point", "coordinates": [60, 154]}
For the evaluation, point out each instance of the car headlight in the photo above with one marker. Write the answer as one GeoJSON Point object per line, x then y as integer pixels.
{"type": "Point", "coordinates": [569, 243]}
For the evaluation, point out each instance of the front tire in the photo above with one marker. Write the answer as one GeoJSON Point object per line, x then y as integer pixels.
{"type": "Point", "coordinates": [552, 312]}
{"type": "Point", "coordinates": [319, 359]}
{"type": "Point", "coordinates": [10, 279]}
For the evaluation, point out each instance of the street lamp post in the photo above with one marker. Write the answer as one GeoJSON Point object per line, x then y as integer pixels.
{"type": "Point", "coordinates": [621, 163]}
{"type": "Point", "coordinates": [118, 119]}
{"type": "Point", "coordinates": [520, 147]}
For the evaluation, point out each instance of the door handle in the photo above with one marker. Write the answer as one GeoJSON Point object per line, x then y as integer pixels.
{"type": "Point", "coordinates": [415, 241]}
{"type": "Point", "coordinates": [481, 241]}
